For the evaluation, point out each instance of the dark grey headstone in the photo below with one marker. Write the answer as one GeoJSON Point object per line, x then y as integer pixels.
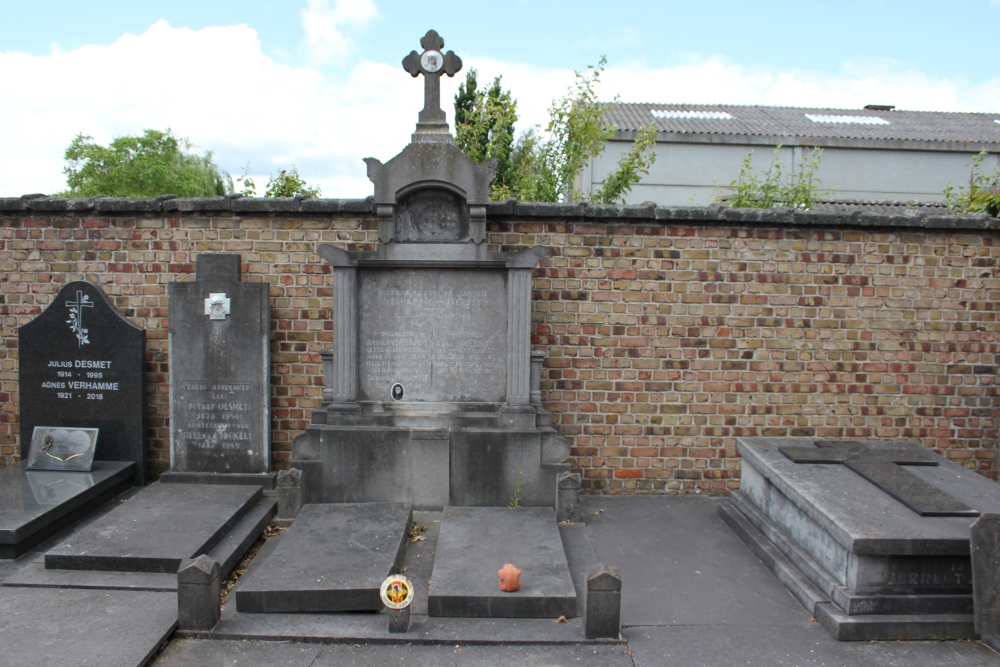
{"type": "Point", "coordinates": [156, 530]}
{"type": "Point", "coordinates": [476, 542]}
{"type": "Point", "coordinates": [81, 364]}
{"type": "Point", "coordinates": [333, 558]}
{"type": "Point", "coordinates": [219, 365]}
{"type": "Point", "coordinates": [985, 546]}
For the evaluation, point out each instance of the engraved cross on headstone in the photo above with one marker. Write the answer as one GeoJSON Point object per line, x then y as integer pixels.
{"type": "Point", "coordinates": [76, 317]}
{"type": "Point", "coordinates": [432, 64]}
{"type": "Point", "coordinates": [883, 467]}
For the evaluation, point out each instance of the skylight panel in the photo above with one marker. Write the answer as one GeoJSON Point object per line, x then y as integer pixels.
{"type": "Point", "coordinates": [701, 115]}
{"type": "Point", "coordinates": [847, 120]}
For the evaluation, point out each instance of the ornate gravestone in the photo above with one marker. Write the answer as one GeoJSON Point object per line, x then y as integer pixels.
{"type": "Point", "coordinates": [872, 537]}
{"type": "Point", "coordinates": [428, 396]}
{"type": "Point", "coordinates": [219, 364]}
{"type": "Point", "coordinates": [428, 402]}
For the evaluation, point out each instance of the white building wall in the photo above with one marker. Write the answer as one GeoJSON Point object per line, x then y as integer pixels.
{"type": "Point", "coordinates": [691, 174]}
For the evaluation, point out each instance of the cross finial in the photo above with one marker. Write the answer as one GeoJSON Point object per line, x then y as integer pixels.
{"type": "Point", "coordinates": [432, 124]}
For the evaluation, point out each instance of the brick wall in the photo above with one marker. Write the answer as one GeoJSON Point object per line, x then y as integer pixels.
{"type": "Point", "coordinates": [669, 331]}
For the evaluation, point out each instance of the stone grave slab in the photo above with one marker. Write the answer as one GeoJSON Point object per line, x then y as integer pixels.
{"type": "Point", "coordinates": [333, 558]}
{"type": "Point", "coordinates": [156, 529]}
{"type": "Point", "coordinates": [856, 541]}
{"type": "Point", "coordinates": [44, 627]}
{"type": "Point", "coordinates": [81, 364]}
{"type": "Point", "coordinates": [36, 504]}
{"type": "Point", "coordinates": [475, 542]}
{"type": "Point", "coordinates": [219, 375]}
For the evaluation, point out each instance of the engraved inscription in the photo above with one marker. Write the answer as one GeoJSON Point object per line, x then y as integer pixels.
{"type": "Point", "coordinates": [439, 333]}
{"type": "Point", "coordinates": [216, 415]}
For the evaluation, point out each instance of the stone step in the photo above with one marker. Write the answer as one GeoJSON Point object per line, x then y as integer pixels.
{"type": "Point", "coordinates": [333, 558]}
{"type": "Point", "coordinates": [475, 542]}
{"type": "Point", "coordinates": [37, 504]}
{"type": "Point", "coordinates": [157, 529]}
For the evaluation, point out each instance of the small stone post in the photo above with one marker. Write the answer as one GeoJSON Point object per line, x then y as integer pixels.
{"type": "Point", "coordinates": [199, 582]}
{"type": "Point", "coordinates": [985, 551]}
{"type": "Point", "coordinates": [399, 620]}
{"type": "Point", "coordinates": [568, 486]}
{"type": "Point", "coordinates": [604, 603]}
{"type": "Point", "coordinates": [289, 494]}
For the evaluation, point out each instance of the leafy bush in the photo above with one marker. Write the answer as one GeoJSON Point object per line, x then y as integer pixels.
{"type": "Point", "coordinates": [771, 188]}
{"type": "Point", "coordinates": [982, 195]}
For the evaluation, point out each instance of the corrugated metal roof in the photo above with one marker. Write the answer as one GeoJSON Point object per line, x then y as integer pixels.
{"type": "Point", "coordinates": [791, 123]}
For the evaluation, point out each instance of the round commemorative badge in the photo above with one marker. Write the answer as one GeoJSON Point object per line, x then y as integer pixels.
{"type": "Point", "coordinates": [396, 592]}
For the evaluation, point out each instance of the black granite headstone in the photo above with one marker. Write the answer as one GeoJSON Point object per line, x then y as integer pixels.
{"type": "Point", "coordinates": [81, 365]}
{"type": "Point", "coordinates": [219, 364]}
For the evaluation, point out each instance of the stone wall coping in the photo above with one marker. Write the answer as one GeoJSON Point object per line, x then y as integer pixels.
{"type": "Point", "coordinates": [714, 214]}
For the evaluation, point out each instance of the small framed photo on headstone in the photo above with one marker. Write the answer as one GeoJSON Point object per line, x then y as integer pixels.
{"type": "Point", "coordinates": [62, 448]}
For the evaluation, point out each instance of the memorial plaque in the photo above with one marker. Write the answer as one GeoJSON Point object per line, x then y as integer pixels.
{"type": "Point", "coordinates": [81, 366]}
{"type": "Point", "coordinates": [219, 362]}
{"type": "Point", "coordinates": [62, 449]}
{"type": "Point", "coordinates": [432, 335]}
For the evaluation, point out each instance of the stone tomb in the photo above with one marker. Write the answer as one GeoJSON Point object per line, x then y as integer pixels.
{"type": "Point", "coordinates": [219, 382]}
{"type": "Point", "coordinates": [333, 558]}
{"type": "Point", "coordinates": [476, 542]}
{"type": "Point", "coordinates": [81, 364]}
{"type": "Point", "coordinates": [872, 537]}
{"type": "Point", "coordinates": [428, 396]}
{"type": "Point", "coordinates": [163, 525]}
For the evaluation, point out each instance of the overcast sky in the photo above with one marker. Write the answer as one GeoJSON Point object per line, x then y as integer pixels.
{"type": "Point", "coordinates": [318, 83]}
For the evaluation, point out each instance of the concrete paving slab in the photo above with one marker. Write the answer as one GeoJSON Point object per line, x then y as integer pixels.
{"type": "Point", "coordinates": [190, 652]}
{"type": "Point", "coordinates": [333, 558]}
{"type": "Point", "coordinates": [48, 627]}
{"type": "Point", "coordinates": [475, 656]}
{"type": "Point", "coordinates": [681, 565]}
{"type": "Point", "coordinates": [194, 652]}
{"type": "Point", "coordinates": [475, 542]}
{"type": "Point", "coordinates": [790, 645]}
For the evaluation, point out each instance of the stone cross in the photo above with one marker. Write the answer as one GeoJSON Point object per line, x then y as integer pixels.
{"type": "Point", "coordinates": [432, 64]}
{"type": "Point", "coordinates": [883, 468]}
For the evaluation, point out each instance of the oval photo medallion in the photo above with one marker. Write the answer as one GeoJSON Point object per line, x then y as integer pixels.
{"type": "Point", "coordinates": [432, 61]}
{"type": "Point", "coordinates": [396, 592]}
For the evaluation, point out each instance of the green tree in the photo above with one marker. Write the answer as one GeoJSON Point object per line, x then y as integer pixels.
{"type": "Point", "coordinates": [287, 183]}
{"type": "Point", "coordinates": [484, 127]}
{"type": "Point", "coordinates": [771, 188]}
{"type": "Point", "coordinates": [546, 168]}
{"type": "Point", "coordinates": [982, 195]}
{"type": "Point", "coordinates": [156, 163]}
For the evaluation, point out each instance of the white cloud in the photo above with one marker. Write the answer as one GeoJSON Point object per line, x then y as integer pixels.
{"type": "Point", "coordinates": [216, 87]}
{"type": "Point", "coordinates": [322, 21]}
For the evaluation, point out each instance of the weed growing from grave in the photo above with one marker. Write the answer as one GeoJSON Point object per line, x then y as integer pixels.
{"type": "Point", "coordinates": [982, 195]}
{"type": "Point", "coordinates": [772, 188]}
{"type": "Point", "coordinates": [515, 500]}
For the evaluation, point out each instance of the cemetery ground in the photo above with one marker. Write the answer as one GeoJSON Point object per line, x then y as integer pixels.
{"type": "Point", "coordinates": [692, 594]}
